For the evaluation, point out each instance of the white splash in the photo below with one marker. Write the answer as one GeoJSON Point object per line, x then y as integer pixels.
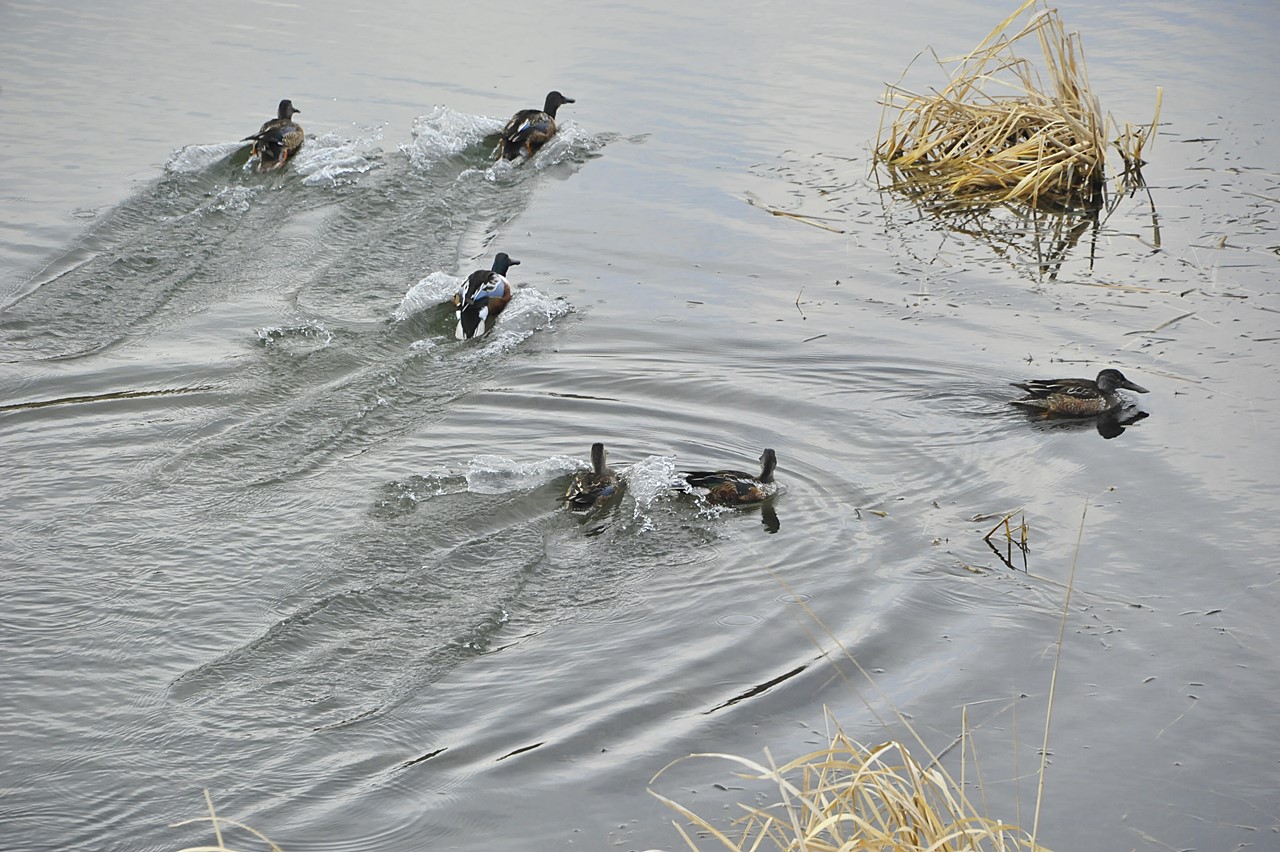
{"type": "Point", "coordinates": [649, 479]}
{"type": "Point", "coordinates": [297, 339]}
{"type": "Point", "coordinates": [230, 199]}
{"type": "Point", "coordinates": [571, 142]}
{"type": "Point", "coordinates": [444, 132]}
{"type": "Point", "coordinates": [330, 159]}
{"type": "Point", "coordinates": [196, 158]}
{"type": "Point", "coordinates": [436, 289]}
{"type": "Point", "coordinates": [491, 474]}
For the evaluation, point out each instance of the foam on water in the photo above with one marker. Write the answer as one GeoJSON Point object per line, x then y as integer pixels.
{"type": "Point", "coordinates": [493, 474]}
{"type": "Point", "coordinates": [437, 288]}
{"type": "Point", "coordinates": [645, 483]}
{"type": "Point", "coordinates": [231, 199]}
{"type": "Point", "coordinates": [650, 479]}
{"type": "Point", "coordinates": [193, 159]}
{"type": "Point", "coordinates": [409, 493]}
{"type": "Point", "coordinates": [444, 132]}
{"type": "Point", "coordinates": [328, 159]}
{"type": "Point", "coordinates": [298, 338]}
{"type": "Point", "coordinates": [331, 159]}
{"type": "Point", "coordinates": [529, 311]}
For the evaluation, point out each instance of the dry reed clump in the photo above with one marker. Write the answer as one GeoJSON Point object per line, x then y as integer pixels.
{"type": "Point", "coordinates": [847, 797]}
{"type": "Point", "coordinates": [996, 134]}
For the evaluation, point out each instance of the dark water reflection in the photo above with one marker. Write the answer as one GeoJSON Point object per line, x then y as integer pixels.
{"type": "Point", "coordinates": [1110, 424]}
{"type": "Point", "coordinates": [273, 532]}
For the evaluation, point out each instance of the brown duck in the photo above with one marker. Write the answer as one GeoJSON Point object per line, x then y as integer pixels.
{"type": "Point", "coordinates": [734, 487]}
{"type": "Point", "coordinates": [1075, 397]}
{"type": "Point", "coordinates": [529, 129]}
{"type": "Point", "coordinates": [592, 487]}
{"type": "Point", "coordinates": [279, 139]}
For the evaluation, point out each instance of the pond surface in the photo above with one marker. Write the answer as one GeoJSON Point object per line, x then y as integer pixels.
{"type": "Point", "coordinates": [269, 530]}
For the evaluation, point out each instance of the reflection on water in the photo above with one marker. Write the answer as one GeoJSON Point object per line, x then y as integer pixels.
{"type": "Point", "coordinates": [769, 516]}
{"type": "Point", "coordinates": [699, 507]}
{"type": "Point", "coordinates": [1034, 240]}
{"type": "Point", "coordinates": [1014, 551]}
{"type": "Point", "coordinates": [1109, 424]}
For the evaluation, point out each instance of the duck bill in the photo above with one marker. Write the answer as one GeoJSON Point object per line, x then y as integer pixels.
{"type": "Point", "coordinates": [1128, 385]}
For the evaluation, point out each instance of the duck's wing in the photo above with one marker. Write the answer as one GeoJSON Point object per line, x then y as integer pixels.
{"type": "Point", "coordinates": [714, 478]}
{"type": "Point", "coordinates": [481, 284]}
{"type": "Point", "coordinates": [527, 121]}
{"type": "Point", "coordinates": [1042, 388]}
{"type": "Point", "coordinates": [527, 127]}
{"type": "Point", "coordinates": [587, 489]}
{"type": "Point", "coordinates": [266, 128]}
{"type": "Point", "coordinates": [290, 135]}
{"type": "Point", "coordinates": [470, 286]}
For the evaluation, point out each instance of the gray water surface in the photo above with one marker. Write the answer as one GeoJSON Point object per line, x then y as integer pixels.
{"type": "Point", "coordinates": [271, 531]}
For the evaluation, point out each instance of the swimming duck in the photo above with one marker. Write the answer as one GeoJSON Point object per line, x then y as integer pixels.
{"type": "Point", "coordinates": [482, 297]}
{"type": "Point", "coordinates": [733, 487]}
{"type": "Point", "coordinates": [1075, 397]}
{"type": "Point", "coordinates": [593, 487]}
{"type": "Point", "coordinates": [279, 139]}
{"type": "Point", "coordinates": [529, 129]}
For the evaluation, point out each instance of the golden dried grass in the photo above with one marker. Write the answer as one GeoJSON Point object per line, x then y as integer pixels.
{"type": "Point", "coordinates": [853, 798]}
{"type": "Point", "coordinates": [848, 797]}
{"type": "Point", "coordinates": [997, 133]}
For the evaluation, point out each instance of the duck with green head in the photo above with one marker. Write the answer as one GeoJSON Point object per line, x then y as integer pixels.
{"type": "Point", "coordinates": [481, 297]}
{"type": "Point", "coordinates": [1075, 397]}
{"type": "Point", "coordinates": [278, 139]}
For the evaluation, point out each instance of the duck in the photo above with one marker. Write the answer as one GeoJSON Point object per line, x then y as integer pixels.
{"type": "Point", "coordinates": [529, 129]}
{"type": "Point", "coordinates": [593, 487]}
{"type": "Point", "coordinates": [1076, 397]}
{"type": "Point", "coordinates": [278, 139]}
{"type": "Point", "coordinates": [734, 487]}
{"type": "Point", "coordinates": [482, 297]}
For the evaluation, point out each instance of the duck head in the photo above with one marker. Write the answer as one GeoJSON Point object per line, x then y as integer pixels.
{"type": "Point", "coordinates": [503, 261]}
{"type": "Point", "coordinates": [1109, 381]}
{"type": "Point", "coordinates": [554, 101]}
{"type": "Point", "coordinates": [286, 110]}
{"type": "Point", "coordinates": [598, 456]}
{"type": "Point", "coordinates": [768, 461]}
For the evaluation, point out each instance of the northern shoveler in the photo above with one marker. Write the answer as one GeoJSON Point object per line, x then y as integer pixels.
{"type": "Point", "coordinates": [1075, 397]}
{"type": "Point", "coordinates": [592, 487]}
{"type": "Point", "coordinates": [733, 487]}
{"type": "Point", "coordinates": [529, 129]}
{"type": "Point", "coordinates": [482, 297]}
{"type": "Point", "coordinates": [279, 139]}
